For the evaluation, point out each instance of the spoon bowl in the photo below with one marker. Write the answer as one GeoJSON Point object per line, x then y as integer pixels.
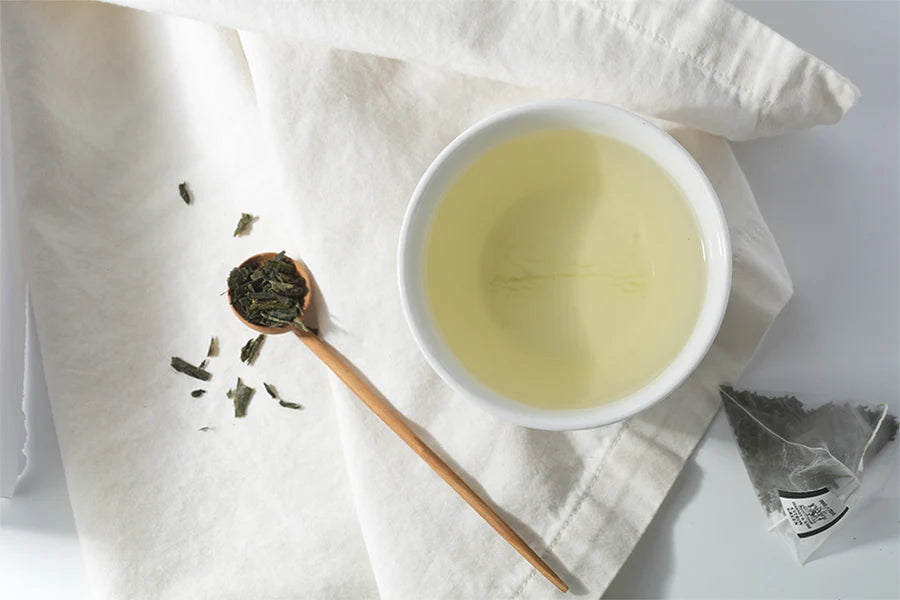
{"type": "Point", "coordinates": [258, 259]}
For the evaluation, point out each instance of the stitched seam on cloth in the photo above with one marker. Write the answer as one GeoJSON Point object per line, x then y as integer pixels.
{"type": "Point", "coordinates": [682, 460]}
{"type": "Point", "coordinates": [766, 102]}
{"type": "Point", "coordinates": [744, 238]}
{"type": "Point", "coordinates": [578, 504]}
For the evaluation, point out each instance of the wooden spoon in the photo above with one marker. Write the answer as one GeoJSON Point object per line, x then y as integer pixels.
{"type": "Point", "coordinates": [395, 421]}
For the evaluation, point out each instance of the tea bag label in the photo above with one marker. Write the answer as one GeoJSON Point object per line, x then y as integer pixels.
{"type": "Point", "coordinates": [811, 513]}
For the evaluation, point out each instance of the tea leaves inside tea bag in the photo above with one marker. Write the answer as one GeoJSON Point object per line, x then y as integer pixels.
{"type": "Point", "coordinates": [805, 458]}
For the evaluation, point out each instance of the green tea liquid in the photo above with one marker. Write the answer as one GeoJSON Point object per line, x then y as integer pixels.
{"type": "Point", "coordinates": [564, 269]}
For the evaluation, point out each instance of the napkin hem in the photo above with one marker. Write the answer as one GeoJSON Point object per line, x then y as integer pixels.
{"type": "Point", "coordinates": [843, 92]}
{"type": "Point", "coordinates": [773, 85]}
{"type": "Point", "coordinates": [694, 60]}
{"type": "Point", "coordinates": [598, 516]}
{"type": "Point", "coordinates": [579, 503]}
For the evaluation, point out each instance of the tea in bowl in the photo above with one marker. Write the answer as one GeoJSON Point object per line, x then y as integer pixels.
{"type": "Point", "coordinates": [564, 264]}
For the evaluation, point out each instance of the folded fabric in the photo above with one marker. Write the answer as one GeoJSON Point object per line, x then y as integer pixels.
{"type": "Point", "coordinates": [320, 118]}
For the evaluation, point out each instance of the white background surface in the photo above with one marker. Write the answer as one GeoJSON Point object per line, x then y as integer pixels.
{"type": "Point", "coordinates": [830, 195]}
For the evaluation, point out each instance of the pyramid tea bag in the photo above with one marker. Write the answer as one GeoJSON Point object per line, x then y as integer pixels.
{"type": "Point", "coordinates": [805, 462]}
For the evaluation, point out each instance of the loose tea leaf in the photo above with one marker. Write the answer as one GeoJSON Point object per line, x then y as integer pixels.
{"type": "Point", "coordinates": [205, 429]}
{"type": "Point", "coordinates": [185, 193]}
{"type": "Point", "coordinates": [244, 224]}
{"type": "Point", "coordinates": [270, 294]}
{"type": "Point", "coordinates": [198, 393]}
{"type": "Point", "coordinates": [182, 366]}
{"type": "Point", "coordinates": [274, 393]}
{"type": "Point", "coordinates": [241, 395]}
{"type": "Point", "coordinates": [213, 351]}
{"type": "Point", "coordinates": [251, 349]}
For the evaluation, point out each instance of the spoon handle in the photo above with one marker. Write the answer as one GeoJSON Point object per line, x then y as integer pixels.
{"type": "Point", "coordinates": [392, 419]}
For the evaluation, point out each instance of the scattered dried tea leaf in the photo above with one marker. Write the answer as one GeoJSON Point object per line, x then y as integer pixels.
{"type": "Point", "coordinates": [241, 395]}
{"type": "Point", "coordinates": [244, 224]}
{"type": "Point", "coordinates": [182, 366]}
{"type": "Point", "coordinates": [270, 294]}
{"type": "Point", "coordinates": [251, 349]}
{"type": "Point", "coordinates": [198, 393]}
{"type": "Point", "coordinates": [274, 393]}
{"type": "Point", "coordinates": [185, 193]}
{"type": "Point", "coordinates": [205, 429]}
{"type": "Point", "coordinates": [213, 347]}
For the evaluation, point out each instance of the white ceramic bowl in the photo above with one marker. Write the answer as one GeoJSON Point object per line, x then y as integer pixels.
{"type": "Point", "coordinates": [584, 116]}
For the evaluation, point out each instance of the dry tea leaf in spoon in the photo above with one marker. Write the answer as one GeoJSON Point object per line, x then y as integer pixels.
{"type": "Point", "coordinates": [270, 293]}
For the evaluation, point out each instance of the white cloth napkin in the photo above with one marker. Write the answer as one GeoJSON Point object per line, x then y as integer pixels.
{"type": "Point", "coordinates": [320, 118]}
{"type": "Point", "coordinates": [12, 322]}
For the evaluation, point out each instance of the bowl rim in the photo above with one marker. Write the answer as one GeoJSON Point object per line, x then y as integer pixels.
{"type": "Point", "coordinates": [466, 384]}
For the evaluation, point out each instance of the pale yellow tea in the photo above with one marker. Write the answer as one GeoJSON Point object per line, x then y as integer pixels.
{"type": "Point", "coordinates": [564, 269]}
